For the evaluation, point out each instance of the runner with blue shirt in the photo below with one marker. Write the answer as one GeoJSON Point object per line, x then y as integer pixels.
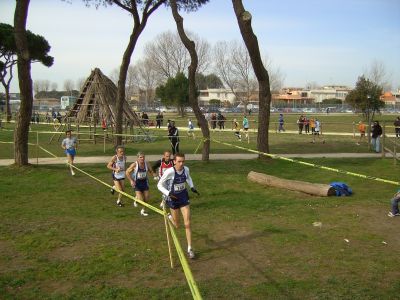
{"type": "Point", "coordinates": [137, 175]}
{"type": "Point", "coordinates": [173, 185]}
{"type": "Point", "coordinates": [69, 145]}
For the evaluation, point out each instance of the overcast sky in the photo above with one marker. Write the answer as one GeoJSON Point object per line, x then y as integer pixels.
{"type": "Point", "coordinates": [327, 42]}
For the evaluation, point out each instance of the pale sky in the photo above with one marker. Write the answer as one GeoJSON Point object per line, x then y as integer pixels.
{"type": "Point", "coordinates": [327, 42]}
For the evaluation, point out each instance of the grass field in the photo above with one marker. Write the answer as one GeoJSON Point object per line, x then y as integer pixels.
{"type": "Point", "coordinates": [279, 143]}
{"type": "Point", "coordinates": [63, 237]}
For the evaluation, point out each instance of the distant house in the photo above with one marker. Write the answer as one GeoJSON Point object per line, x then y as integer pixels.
{"type": "Point", "coordinates": [329, 92]}
{"type": "Point", "coordinates": [46, 104]}
{"type": "Point", "coordinates": [390, 98]}
{"type": "Point", "coordinates": [224, 95]}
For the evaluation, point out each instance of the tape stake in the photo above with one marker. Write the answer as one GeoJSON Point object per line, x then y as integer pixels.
{"type": "Point", "coordinates": [185, 266]}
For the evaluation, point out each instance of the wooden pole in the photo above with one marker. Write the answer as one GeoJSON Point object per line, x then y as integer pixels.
{"type": "Point", "coordinates": [316, 189]}
{"type": "Point", "coordinates": [168, 238]}
{"type": "Point", "coordinates": [104, 141]}
{"type": "Point", "coordinates": [37, 147]}
{"type": "Point", "coordinates": [383, 139]}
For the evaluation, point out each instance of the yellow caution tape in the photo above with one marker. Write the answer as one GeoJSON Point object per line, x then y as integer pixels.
{"type": "Point", "coordinates": [185, 266]}
{"type": "Point", "coordinates": [311, 164]}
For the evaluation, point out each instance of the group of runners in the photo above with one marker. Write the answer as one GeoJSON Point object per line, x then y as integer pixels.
{"type": "Point", "coordinates": [172, 176]}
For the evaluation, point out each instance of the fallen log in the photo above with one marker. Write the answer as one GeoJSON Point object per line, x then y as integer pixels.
{"type": "Point", "coordinates": [315, 189]}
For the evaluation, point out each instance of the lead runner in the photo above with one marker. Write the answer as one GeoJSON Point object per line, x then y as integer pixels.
{"type": "Point", "coordinates": [173, 185]}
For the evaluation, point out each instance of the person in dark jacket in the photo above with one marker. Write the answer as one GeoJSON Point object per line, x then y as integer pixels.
{"type": "Point", "coordinates": [376, 134]}
{"type": "Point", "coordinates": [173, 135]}
{"type": "Point", "coordinates": [397, 127]}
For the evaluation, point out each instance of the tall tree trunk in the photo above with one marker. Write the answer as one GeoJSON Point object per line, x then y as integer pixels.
{"type": "Point", "coordinates": [244, 20]}
{"type": "Point", "coordinates": [138, 28]}
{"type": "Point", "coordinates": [126, 59]}
{"type": "Point", "coordinates": [25, 84]}
{"type": "Point", "coordinates": [8, 105]}
{"type": "Point", "coordinates": [190, 46]}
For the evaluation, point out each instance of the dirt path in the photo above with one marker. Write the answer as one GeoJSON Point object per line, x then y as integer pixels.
{"type": "Point", "coordinates": [105, 159]}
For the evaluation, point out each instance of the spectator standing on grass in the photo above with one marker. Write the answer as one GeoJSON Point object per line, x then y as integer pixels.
{"type": "Point", "coordinates": [213, 121]}
{"type": "Point", "coordinates": [173, 135]}
{"type": "Point", "coordinates": [317, 131]}
{"type": "Point", "coordinates": [376, 134]}
{"type": "Point", "coordinates": [361, 129]}
{"type": "Point", "coordinates": [158, 120]}
{"type": "Point", "coordinates": [306, 125]}
{"type": "Point", "coordinates": [395, 205]}
{"type": "Point", "coordinates": [59, 117]}
{"type": "Point", "coordinates": [281, 121]}
{"type": "Point", "coordinates": [237, 130]}
{"type": "Point", "coordinates": [69, 144]}
{"type": "Point", "coordinates": [397, 127]}
{"type": "Point", "coordinates": [117, 165]}
{"type": "Point", "coordinates": [173, 185]}
{"type": "Point", "coordinates": [145, 119]}
{"type": "Point", "coordinates": [300, 123]}
{"type": "Point", "coordinates": [246, 127]}
{"type": "Point", "coordinates": [221, 121]}
{"type": "Point", "coordinates": [312, 125]}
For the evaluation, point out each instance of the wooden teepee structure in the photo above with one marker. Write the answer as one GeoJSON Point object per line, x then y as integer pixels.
{"type": "Point", "coordinates": [97, 101]}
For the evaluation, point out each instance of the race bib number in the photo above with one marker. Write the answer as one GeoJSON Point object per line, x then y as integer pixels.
{"type": "Point", "coordinates": [178, 187]}
{"type": "Point", "coordinates": [141, 175]}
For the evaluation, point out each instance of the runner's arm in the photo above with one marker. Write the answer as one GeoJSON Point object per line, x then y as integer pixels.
{"type": "Point", "coordinates": [129, 171]}
{"type": "Point", "coordinates": [111, 163]}
{"type": "Point", "coordinates": [162, 183]}
{"type": "Point", "coordinates": [189, 178]}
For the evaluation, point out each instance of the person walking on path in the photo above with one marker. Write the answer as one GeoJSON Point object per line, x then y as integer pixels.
{"type": "Point", "coordinates": [69, 144]}
{"type": "Point", "coordinates": [397, 127]}
{"type": "Point", "coordinates": [361, 129]}
{"type": "Point", "coordinates": [137, 175]}
{"type": "Point", "coordinates": [173, 185]}
{"type": "Point", "coordinates": [173, 135]}
{"type": "Point", "coordinates": [376, 134]}
{"type": "Point", "coordinates": [281, 121]}
{"type": "Point", "coordinates": [395, 205]}
{"type": "Point", "coordinates": [191, 129]}
{"type": "Point", "coordinates": [117, 165]}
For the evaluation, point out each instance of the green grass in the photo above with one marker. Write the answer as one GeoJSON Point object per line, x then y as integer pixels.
{"type": "Point", "coordinates": [63, 237]}
{"type": "Point", "coordinates": [279, 143]}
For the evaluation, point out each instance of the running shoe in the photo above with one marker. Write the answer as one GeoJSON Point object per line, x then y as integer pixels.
{"type": "Point", "coordinates": [143, 213]}
{"type": "Point", "coordinates": [135, 204]}
{"type": "Point", "coordinates": [112, 190]}
{"type": "Point", "coordinates": [191, 254]}
{"type": "Point", "coordinates": [390, 214]}
{"type": "Point", "coordinates": [120, 204]}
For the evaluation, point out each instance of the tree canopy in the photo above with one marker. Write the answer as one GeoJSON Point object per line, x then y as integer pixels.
{"type": "Point", "coordinates": [175, 91]}
{"type": "Point", "coordinates": [211, 81]}
{"type": "Point", "coordinates": [38, 46]}
{"type": "Point", "coordinates": [366, 97]}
